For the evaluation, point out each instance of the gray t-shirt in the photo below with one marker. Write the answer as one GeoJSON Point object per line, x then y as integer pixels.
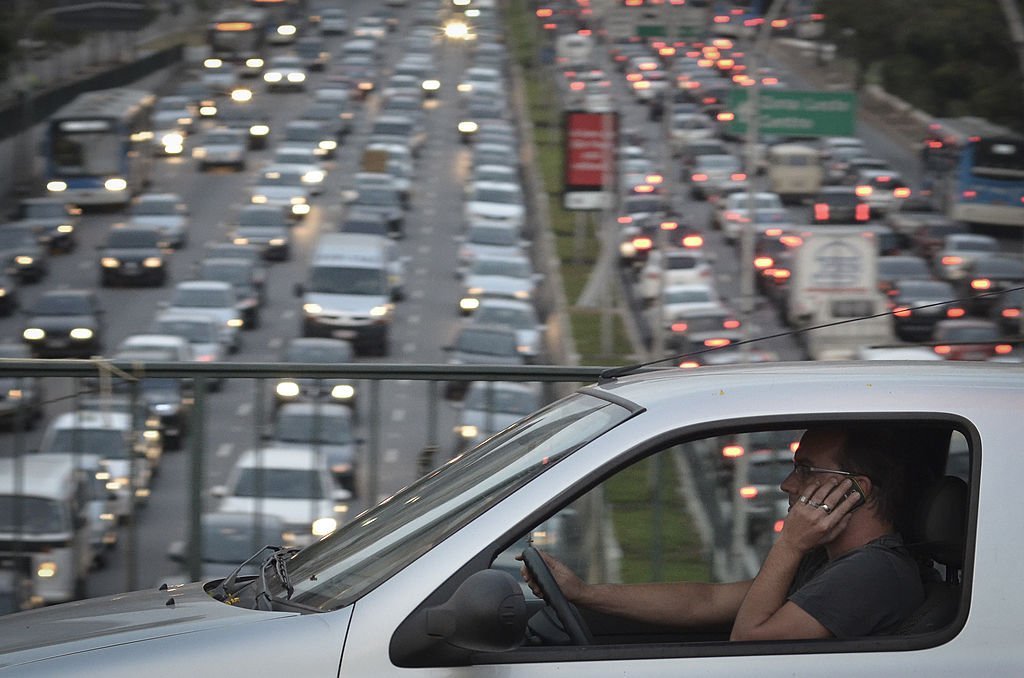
{"type": "Point", "coordinates": [865, 592]}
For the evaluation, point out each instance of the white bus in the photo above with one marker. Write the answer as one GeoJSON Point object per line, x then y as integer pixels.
{"type": "Point", "coordinates": [98, 149]}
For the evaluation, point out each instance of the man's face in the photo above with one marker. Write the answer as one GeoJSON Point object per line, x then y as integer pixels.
{"type": "Point", "coordinates": [820, 449]}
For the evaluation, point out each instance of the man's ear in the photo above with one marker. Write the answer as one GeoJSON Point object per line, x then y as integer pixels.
{"type": "Point", "coordinates": [866, 486]}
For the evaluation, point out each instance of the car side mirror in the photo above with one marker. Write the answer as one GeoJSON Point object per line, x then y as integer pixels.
{"type": "Point", "coordinates": [486, 613]}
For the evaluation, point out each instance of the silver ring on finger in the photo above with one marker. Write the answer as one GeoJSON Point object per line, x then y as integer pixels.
{"type": "Point", "coordinates": [813, 504]}
{"type": "Point", "coordinates": [825, 507]}
{"type": "Point", "coordinates": [803, 499]}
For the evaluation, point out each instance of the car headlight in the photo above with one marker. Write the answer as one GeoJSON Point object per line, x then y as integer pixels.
{"type": "Point", "coordinates": [300, 209]}
{"type": "Point", "coordinates": [152, 262]}
{"type": "Point", "coordinates": [81, 333]}
{"type": "Point", "coordinates": [241, 241]}
{"type": "Point", "coordinates": [298, 200]}
{"type": "Point", "coordinates": [259, 130]}
{"type": "Point", "coordinates": [276, 242]}
{"type": "Point", "coordinates": [313, 176]}
{"type": "Point", "coordinates": [522, 294]}
{"type": "Point", "coordinates": [380, 311]}
{"type": "Point", "coordinates": [431, 85]}
{"type": "Point", "coordinates": [115, 184]}
{"type": "Point", "coordinates": [241, 94]}
{"type": "Point", "coordinates": [235, 322]}
{"type": "Point", "coordinates": [66, 229]}
{"type": "Point", "coordinates": [56, 186]}
{"type": "Point", "coordinates": [47, 569]}
{"type": "Point", "coordinates": [33, 334]}
{"type": "Point", "coordinates": [172, 139]}
{"type": "Point", "coordinates": [254, 62]}
{"type": "Point", "coordinates": [110, 262]}
{"type": "Point", "coordinates": [287, 389]}
{"type": "Point", "coordinates": [213, 62]}
{"type": "Point", "coordinates": [469, 303]}
{"type": "Point", "coordinates": [468, 127]}
{"type": "Point", "coordinates": [272, 76]}
{"type": "Point", "coordinates": [468, 431]}
{"type": "Point", "coordinates": [286, 29]}
{"type": "Point", "coordinates": [259, 198]}
{"type": "Point", "coordinates": [324, 526]}
{"type": "Point", "coordinates": [23, 260]}
{"type": "Point", "coordinates": [328, 144]}
{"type": "Point", "coordinates": [343, 392]}
{"type": "Point", "coordinates": [296, 77]}
{"type": "Point", "coordinates": [312, 309]}
{"type": "Point", "coordinates": [208, 110]}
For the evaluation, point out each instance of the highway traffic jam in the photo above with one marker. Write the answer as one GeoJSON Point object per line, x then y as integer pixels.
{"type": "Point", "coordinates": [345, 185]}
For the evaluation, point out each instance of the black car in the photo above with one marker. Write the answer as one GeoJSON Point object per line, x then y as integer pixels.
{"type": "Point", "coordinates": [253, 120]}
{"type": "Point", "coordinates": [248, 252]}
{"type": "Point", "coordinates": [985, 279]}
{"type": "Point", "coordinates": [133, 255]}
{"type": "Point", "coordinates": [21, 254]}
{"type": "Point", "coordinates": [839, 205]}
{"type": "Point", "coordinates": [1006, 311]}
{"type": "Point", "coordinates": [21, 398]}
{"type": "Point", "coordinates": [65, 323]}
{"type": "Point", "coordinates": [52, 220]}
{"type": "Point", "coordinates": [265, 227]}
{"type": "Point", "coordinates": [916, 307]}
{"type": "Point", "coordinates": [385, 201]}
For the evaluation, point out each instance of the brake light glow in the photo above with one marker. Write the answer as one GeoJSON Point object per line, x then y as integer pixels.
{"type": "Point", "coordinates": [654, 178]}
{"type": "Point", "coordinates": [715, 343]}
{"type": "Point", "coordinates": [901, 192]}
{"type": "Point", "coordinates": [699, 177]}
{"type": "Point", "coordinates": [943, 350]}
{"type": "Point", "coordinates": [861, 212]}
{"type": "Point", "coordinates": [689, 364]}
{"type": "Point", "coordinates": [981, 284]}
{"type": "Point", "coordinates": [763, 262]}
{"type": "Point", "coordinates": [955, 312]}
{"type": "Point", "coordinates": [748, 492]}
{"type": "Point", "coordinates": [863, 191]}
{"type": "Point", "coordinates": [1010, 313]}
{"type": "Point", "coordinates": [625, 220]}
{"type": "Point", "coordinates": [951, 260]}
{"type": "Point", "coordinates": [693, 241]}
{"type": "Point", "coordinates": [773, 232]}
{"type": "Point", "coordinates": [669, 225]}
{"type": "Point", "coordinates": [738, 176]}
{"type": "Point", "coordinates": [777, 527]}
{"type": "Point", "coordinates": [820, 211]}
{"type": "Point", "coordinates": [679, 327]}
{"type": "Point", "coordinates": [791, 240]}
{"type": "Point", "coordinates": [1003, 349]}
{"type": "Point", "coordinates": [901, 312]}
{"type": "Point", "coordinates": [732, 451]}
{"type": "Point", "coordinates": [970, 195]}
{"type": "Point", "coordinates": [643, 243]}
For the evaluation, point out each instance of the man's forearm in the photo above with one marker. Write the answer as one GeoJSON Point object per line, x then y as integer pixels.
{"type": "Point", "coordinates": [676, 604]}
{"type": "Point", "coordinates": [767, 593]}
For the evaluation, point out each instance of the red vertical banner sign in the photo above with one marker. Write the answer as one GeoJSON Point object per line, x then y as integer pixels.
{"type": "Point", "coordinates": [589, 158]}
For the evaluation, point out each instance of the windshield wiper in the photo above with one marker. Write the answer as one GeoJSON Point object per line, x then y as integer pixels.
{"type": "Point", "coordinates": [264, 601]}
{"type": "Point", "coordinates": [227, 589]}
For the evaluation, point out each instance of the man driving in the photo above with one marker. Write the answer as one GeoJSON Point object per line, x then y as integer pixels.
{"type": "Point", "coordinates": [838, 569]}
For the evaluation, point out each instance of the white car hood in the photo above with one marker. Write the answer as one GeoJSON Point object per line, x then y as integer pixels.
{"type": "Point", "coordinates": [291, 511]}
{"type": "Point", "coordinates": [498, 284]}
{"type": "Point", "coordinates": [182, 625]}
{"type": "Point", "coordinates": [494, 210]}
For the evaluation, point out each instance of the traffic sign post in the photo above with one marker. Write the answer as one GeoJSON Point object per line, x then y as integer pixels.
{"type": "Point", "coordinates": [796, 113]}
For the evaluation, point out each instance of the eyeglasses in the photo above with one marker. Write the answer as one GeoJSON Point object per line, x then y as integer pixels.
{"type": "Point", "coordinates": [804, 471]}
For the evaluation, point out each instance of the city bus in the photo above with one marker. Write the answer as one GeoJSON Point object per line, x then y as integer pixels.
{"type": "Point", "coordinates": [97, 150]}
{"type": "Point", "coordinates": [237, 36]}
{"type": "Point", "coordinates": [979, 168]}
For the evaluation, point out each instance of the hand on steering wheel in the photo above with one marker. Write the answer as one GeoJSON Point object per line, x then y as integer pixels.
{"type": "Point", "coordinates": [553, 596]}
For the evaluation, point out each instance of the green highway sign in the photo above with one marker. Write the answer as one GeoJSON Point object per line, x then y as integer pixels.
{"type": "Point", "coordinates": [791, 113]}
{"type": "Point", "coordinates": [650, 31]}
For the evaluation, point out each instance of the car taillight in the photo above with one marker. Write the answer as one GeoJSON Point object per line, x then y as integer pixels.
{"type": "Point", "coordinates": [951, 260]}
{"type": "Point", "coordinates": [1003, 349]}
{"type": "Point", "coordinates": [699, 177]}
{"type": "Point", "coordinates": [778, 525]}
{"type": "Point", "coordinates": [862, 212]}
{"type": "Point", "coordinates": [943, 349]}
{"type": "Point", "coordinates": [732, 451]}
{"type": "Point", "coordinates": [970, 195]}
{"type": "Point", "coordinates": [820, 211]}
{"type": "Point", "coordinates": [731, 324]}
{"type": "Point", "coordinates": [689, 364]}
{"type": "Point", "coordinates": [981, 284]}
{"type": "Point", "coordinates": [863, 191]}
{"type": "Point", "coordinates": [901, 312]}
{"type": "Point", "coordinates": [1010, 313]}
{"type": "Point", "coordinates": [725, 116]}
{"type": "Point", "coordinates": [748, 492]}
{"type": "Point", "coordinates": [955, 312]}
{"type": "Point", "coordinates": [781, 273]}
{"type": "Point", "coordinates": [717, 342]}
{"type": "Point", "coordinates": [693, 241]}
{"type": "Point", "coordinates": [791, 240]}
{"type": "Point", "coordinates": [901, 192]}
{"type": "Point", "coordinates": [625, 220]}
{"type": "Point", "coordinates": [763, 262]}
{"type": "Point", "coordinates": [773, 232]}
{"type": "Point", "coordinates": [679, 327]}
{"type": "Point", "coordinates": [738, 176]}
{"type": "Point", "coordinates": [643, 243]}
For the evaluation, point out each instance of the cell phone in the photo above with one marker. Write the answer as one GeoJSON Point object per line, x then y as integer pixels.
{"type": "Point", "coordinates": [855, 489]}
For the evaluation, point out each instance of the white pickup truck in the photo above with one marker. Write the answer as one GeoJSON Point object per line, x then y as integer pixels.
{"type": "Point", "coordinates": [425, 584]}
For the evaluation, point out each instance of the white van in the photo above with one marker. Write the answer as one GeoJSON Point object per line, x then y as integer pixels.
{"type": "Point", "coordinates": [43, 530]}
{"type": "Point", "coordinates": [794, 171]}
{"type": "Point", "coordinates": [354, 280]}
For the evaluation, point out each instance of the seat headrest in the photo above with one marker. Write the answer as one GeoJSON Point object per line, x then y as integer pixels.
{"type": "Point", "coordinates": [941, 524]}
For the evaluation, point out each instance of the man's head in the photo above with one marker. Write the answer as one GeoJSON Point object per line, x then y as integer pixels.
{"type": "Point", "coordinates": [867, 454]}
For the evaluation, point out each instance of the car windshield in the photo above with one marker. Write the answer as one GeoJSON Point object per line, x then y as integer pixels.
{"type": "Point", "coordinates": [473, 340]}
{"type": "Point", "coordinates": [145, 208]}
{"type": "Point", "coordinates": [62, 304]}
{"type": "Point", "coordinates": [204, 297]}
{"type": "Point", "coordinates": [686, 296]}
{"type": "Point", "coordinates": [261, 217]}
{"type": "Point", "coordinates": [281, 178]}
{"type": "Point", "coordinates": [133, 239]}
{"type": "Point", "coordinates": [361, 554]}
{"type": "Point", "coordinates": [224, 139]}
{"type": "Point", "coordinates": [195, 331]}
{"type": "Point", "coordinates": [497, 195]}
{"type": "Point", "coordinates": [107, 443]}
{"type": "Point", "coordinates": [483, 235]}
{"type": "Point", "coordinates": [377, 196]}
{"type": "Point", "coordinates": [278, 483]}
{"type": "Point", "coordinates": [303, 133]}
{"type": "Point", "coordinates": [239, 274]}
{"type": "Point", "coordinates": [298, 353]}
{"type": "Point", "coordinates": [500, 267]}
{"type": "Point", "coordinates": [32, 515]}
{"type": "Point", "coordinates": [347, 280]}
{"type": "Point", "coordinates": [981, 333]}
{"type": "Point", "coordinates": [519, 318]}
{"type": "Point", "coordinates": [313, 427]}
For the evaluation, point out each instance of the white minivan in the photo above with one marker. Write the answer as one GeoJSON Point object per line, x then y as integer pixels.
{"type": "Point", "coordinates": [44, 532]}
{"type": "Point", "coordinates": [794, 171]}
{"type": "Point", "coordinates": [354, 280]}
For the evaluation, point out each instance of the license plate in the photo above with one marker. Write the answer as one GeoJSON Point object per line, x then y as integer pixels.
{"type": "Point", "coordinates": [343, 334]}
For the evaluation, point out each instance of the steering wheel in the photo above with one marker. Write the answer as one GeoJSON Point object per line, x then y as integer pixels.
{"type": "Point", "coordinates": [553, 596]}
